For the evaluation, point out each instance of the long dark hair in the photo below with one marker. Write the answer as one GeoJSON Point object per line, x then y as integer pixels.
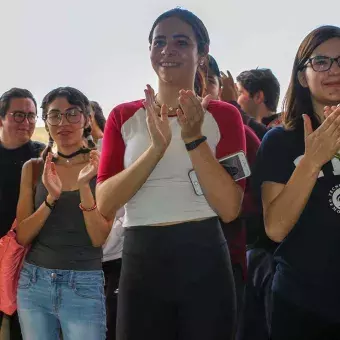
{"type": "Point", "coordinates": [74, 97]}
{"type": "Point", "coordinates": [298, 98]}
{"type": "Point", "coordinates": [200, 31]}
{"type": "Point", "coordinates": [98, 115]}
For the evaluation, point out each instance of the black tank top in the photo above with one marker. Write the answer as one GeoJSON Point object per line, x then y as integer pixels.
{"type": "Point", "coordinates": [63, 241]}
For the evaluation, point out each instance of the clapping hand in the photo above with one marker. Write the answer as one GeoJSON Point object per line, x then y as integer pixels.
{"type": "Point", "coordinates": [322, 144]}
{"type": "Point", "coordinates": [90, 170]}
{"type": "Point", "coordinates": [190, 115]}
{"type": "Point", "coordinates": [229, 91]}
{"type": "Point", "coordinates": [50, 178]}
{"type": "Point", "coordinates": [157, 121]}
{"type": "Point", "coordinates": [329, 109]}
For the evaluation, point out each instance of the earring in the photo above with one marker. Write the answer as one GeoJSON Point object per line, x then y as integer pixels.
{"type": "Point", "coordinates": [202, 62]}
{"type": "Point", "coordinates": [50, 143]}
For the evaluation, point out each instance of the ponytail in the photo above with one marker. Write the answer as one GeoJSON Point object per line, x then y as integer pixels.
{"type": "Point", "coordinates": [89, 138]}
{"type": "Point", "coordinates": [48, 148]}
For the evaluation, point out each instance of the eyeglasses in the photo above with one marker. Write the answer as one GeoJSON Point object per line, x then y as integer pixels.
{"type": "Point", "coordinates": [20, 117]}
{"type": "Point", "coordinates": [73, 116]}
{"type": "Point", "coordinates": [322, 63]}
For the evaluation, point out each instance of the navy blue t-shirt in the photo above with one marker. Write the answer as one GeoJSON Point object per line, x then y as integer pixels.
{"type": "Point", "coordinates": [308, 259]}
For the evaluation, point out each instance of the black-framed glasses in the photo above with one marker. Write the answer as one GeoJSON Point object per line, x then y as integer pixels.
{"type": "Point", "coordinates": [19, 117]}
{"type": "Point", "coordinates": [322, 63]}
{"type": "Point", "coordinates": [73, 116]}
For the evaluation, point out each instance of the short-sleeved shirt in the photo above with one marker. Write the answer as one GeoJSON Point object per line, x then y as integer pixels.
{"type": "Point", "coordinates": [168, 194]}
{"type": "Point", "coordinates": [308, 270]}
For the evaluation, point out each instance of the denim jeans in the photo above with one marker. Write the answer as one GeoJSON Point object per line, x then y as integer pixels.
{"type": "Point", "coordinates": [50, 300]}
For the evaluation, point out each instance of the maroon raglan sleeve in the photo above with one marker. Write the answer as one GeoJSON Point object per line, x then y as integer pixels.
{"type": "Point", "coordinates": [231, 128]}
{"type": "Point", "coordinates": [113, 149]}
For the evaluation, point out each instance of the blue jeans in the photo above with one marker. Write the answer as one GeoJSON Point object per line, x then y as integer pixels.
{"type": "Point", "coordinates": [50, 300]}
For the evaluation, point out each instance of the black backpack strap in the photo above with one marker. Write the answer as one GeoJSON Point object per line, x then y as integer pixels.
{"type": "Point", "coordinates": [328, 169]}
{"type": "Point", "coordinates": [36, 148]}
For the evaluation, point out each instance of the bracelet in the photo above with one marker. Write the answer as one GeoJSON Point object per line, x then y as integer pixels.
{"type": "Point", "coordinates": [50, 206]}
{"type": "Point", "coordinates": [194, 144]}
{"type": "Point", "coordinates": [89, 209]}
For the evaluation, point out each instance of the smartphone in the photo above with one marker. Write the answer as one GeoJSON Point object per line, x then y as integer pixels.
{"type": "Point", "coordinates": [236, 165]}
{"type": "Point", "coordinates": [195, 183]}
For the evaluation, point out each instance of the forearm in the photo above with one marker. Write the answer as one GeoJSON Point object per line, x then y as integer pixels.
{"type": "Point", "coordinates": [28, 228]}
{"type": "Point", "coordinates": [97, 226]}
{"type": "Point", "coordinates": [222, 193]}
{"type": "Point", "coordinates": [113, 193]}
{"type": "Point", "coordinates": [283, 213]}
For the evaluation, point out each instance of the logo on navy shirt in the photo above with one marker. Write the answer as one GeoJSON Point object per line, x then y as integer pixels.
{"type": "Point", "coordinates": [334, 200]}
{"type": "Point", "coordinates": [334, 193]}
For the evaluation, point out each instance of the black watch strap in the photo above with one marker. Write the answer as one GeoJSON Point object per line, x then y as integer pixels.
{"type": "Point", "coordinates": [194, 144]}
{"type": "Point", "coordinates": [50, 206]}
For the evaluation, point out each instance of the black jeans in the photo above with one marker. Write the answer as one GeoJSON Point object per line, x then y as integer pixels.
{"type": "Point", "coordinates": [14, 326]}
{"type": "Point", "coordinates": [239, 287]}
{"type": "Point", "coordinates": [176, 284]}
{"type": "Point", "coordinates": [112, 273]}
{"type": "Point", "coordinates": [257, 308]}
{"type": "Point", "coordinates": [295, 323]}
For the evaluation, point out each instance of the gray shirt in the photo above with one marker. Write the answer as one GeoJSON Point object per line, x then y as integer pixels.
{"type": "Point", "coordinates": [63, 241]}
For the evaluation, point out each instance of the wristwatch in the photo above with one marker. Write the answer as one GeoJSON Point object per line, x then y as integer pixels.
{"type": "Point", "coordinates": [194, 144]}
{"type": "Point", "coordinates": [50, 206]}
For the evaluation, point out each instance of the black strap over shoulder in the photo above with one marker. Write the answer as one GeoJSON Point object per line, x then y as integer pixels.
{"type": "Point", "coordinates": [328, 169]}
{"type": "Point", "coordinates": [36, 148]}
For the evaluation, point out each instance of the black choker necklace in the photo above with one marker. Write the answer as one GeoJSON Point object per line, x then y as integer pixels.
{"type": "Point", "coordinates": [74, 154]}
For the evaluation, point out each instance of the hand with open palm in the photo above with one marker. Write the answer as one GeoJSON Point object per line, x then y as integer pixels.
{"type": "Point", "coordinates": [229, 89]}
{"type": "Point", "coordinates": [322, 144]}
{"type": "Point", "coordinates": [157, 122]}
{"type": "Point", "coordinates": [329, 109]}
{"type": "Point", "coordinates": [90, 170]}
{"type": "Point", "coordinates": [50, 178]}
{"type": "Point", "coordinates": [191, 115]}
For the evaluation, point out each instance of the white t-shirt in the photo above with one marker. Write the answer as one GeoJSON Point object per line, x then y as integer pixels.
{"type": "Point", "coordinates": [113, 247]}
{"type": "Point", "coordinates": [168, 194]}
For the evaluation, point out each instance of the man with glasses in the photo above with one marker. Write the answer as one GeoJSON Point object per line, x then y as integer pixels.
{"type": "Point", "coordinates": [18, 115]}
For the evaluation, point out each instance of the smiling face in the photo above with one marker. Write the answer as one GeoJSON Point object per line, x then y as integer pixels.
{"type": "Point", "coordinates": [173, 52]}
{"type": "Point", "coordinates": [69, 132]}
{"type": "Point", "coordinates": [324, 86]}
{"type": "Point", "coordinates": [18, 133]}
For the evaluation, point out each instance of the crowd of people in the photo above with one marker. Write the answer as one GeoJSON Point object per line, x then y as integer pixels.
{"type": "Point", "coordinates": [120, 243]}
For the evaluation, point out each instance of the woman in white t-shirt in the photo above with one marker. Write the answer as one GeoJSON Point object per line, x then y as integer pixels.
{"type": "Point", "coordinates": [176, 280]}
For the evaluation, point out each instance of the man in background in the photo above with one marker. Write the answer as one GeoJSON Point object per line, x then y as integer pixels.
{"type": "Point", "coordinates": [258, 95]}
{"type": "Point", "coordinates": [18, 115]}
